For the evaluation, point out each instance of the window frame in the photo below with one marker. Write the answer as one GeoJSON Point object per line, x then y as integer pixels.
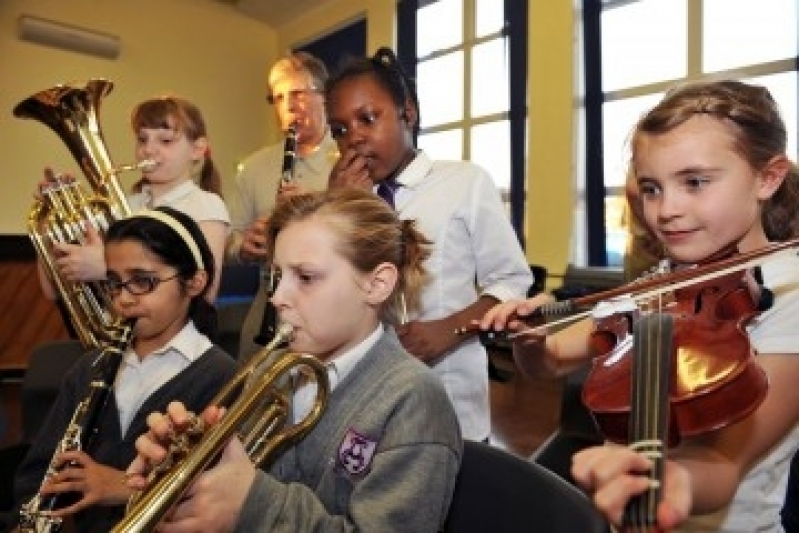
{"type": "Point", "coordinates": [594, 193]}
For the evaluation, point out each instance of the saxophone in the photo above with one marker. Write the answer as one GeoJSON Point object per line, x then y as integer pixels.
{"type": "Point", "coordinates": [79, 435]}
{"type": "Point", "coordinates": [66, 208]}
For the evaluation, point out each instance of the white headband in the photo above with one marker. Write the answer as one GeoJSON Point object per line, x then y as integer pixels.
{"type": "Point", "coordinates": [178, 228]}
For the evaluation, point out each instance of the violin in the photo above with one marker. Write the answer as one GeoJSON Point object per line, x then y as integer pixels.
{"type": "Point", "coordinates": [675, 368]}
{"type": "Point", "coordinates": [715, 379]}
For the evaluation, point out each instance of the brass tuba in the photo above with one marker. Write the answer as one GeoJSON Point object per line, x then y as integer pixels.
{"type": "Point", "coordinates": [65, 208]}
{"type": "Point", "coordinates": [256, 412]}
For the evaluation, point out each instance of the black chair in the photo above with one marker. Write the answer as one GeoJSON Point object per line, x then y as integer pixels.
{"type": "Point", "coordinates": [499, 492]}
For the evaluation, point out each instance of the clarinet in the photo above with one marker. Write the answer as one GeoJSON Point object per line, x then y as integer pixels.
{"type": "Point", "coordinates": [289, 155]}
{"type": "Point", "coordinates": [269, 321]}
{"type": "Point", "coordinates": [79, 435]}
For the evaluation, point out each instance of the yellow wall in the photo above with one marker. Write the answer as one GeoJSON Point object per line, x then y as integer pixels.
{"type": "Point", "coordinates": [160, 58]}
{"type": "Point", "coordinates": [224, 76]}
{"type": "Point", "coordinates": [550, 167]}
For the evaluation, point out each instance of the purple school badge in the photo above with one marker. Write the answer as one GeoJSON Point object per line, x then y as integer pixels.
{"type": "Point", "coordinates": [356, 453]}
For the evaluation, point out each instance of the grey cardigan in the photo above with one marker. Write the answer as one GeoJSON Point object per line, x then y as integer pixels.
{"type": "Point", "coordinates": [383, 457]}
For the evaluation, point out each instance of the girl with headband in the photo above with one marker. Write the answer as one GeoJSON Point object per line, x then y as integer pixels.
{"type": "Point", "coordinates": [159, 268]}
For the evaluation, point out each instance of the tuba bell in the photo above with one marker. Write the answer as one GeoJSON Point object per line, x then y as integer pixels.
{"type": "Point", "coordinates": [256, 411]}
{"type": "Point", "coordinates": [66, 208]}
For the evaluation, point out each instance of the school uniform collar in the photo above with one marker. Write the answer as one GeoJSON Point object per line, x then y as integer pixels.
{"type": "Point", "coordinates": [340, 367]}
{"type": "Point", "coordinates": [415, 172]}
{"type": "Point", "coordinates": [171, 196]}
{"type": "Point", "coordinates": [189, 343]}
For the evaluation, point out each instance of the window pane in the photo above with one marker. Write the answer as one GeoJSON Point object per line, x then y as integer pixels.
{"type": "Point", "coordinates": [444, 145]}
{"type": "Point", "coordinates": [488, 17]}
{"type": "Point", "coordinates": [491, 150]}
{"type": "Point", "coordinates": [618, 119]}
{"type": "Point", "coordinates": [439, 25]}
{"type": "Point", "coordinates": [643, 42]}
{"type": "Point", "coordinates": [490, 93]}
{"type": "Point", "coordinates": [783, 89]}
{"type": "Point", "coordinates": [615, 229]}
{"type": "Point", "coordinates": [440, 93]}
{"type": "Point", "coordinates": [742, 32]}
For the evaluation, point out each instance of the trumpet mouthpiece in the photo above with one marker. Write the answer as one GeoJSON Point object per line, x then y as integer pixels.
{"type": "Point", "coordinates": [285, 330]}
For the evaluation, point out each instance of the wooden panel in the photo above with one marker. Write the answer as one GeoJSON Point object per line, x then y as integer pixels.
{"type": "Point", "coordinates": [27, 318]}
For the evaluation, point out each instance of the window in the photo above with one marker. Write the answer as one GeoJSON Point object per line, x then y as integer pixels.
{"type": "Point", "coordinates": [465, 40]}
{"type": "Point", "coordinates": [646, 46]}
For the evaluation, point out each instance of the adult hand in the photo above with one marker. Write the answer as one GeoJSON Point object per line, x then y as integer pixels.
{"type": "Point", "coordinates": [253, 244]}
{"type": "Point", "coordinates": [82, 262]}
{"type": "Point", "coordinates": [351, 170]}
{"type": "Point", "coordinates": [613, 474]}
{"type": "Point", "coordinates": [97, 484]}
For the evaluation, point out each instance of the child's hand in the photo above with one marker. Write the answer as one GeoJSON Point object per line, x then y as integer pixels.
{"type": "Point", "coordinates": [82, 262]}
{"type": "Point", "coordinates": [214, 501]}
{"type": "Point", "coordinates": [428, 341]}
{"type": "Point", "coordinates": [506, 315]}
{"type": "Point", "coordinates": [613, 474]}
{"type": "Point", "coordinates": [98, 484]}
{"type": "Point", "coordinates": [351, 170]}
{"type": "Point", "coordinates": [152, 447]}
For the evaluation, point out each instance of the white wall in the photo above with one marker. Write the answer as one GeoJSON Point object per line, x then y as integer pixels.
{"type": "Point", "coordinates": [213, 56]}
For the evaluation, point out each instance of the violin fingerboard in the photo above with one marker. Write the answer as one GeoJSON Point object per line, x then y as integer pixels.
{"type": "Point", "coordinates": [649, 409]}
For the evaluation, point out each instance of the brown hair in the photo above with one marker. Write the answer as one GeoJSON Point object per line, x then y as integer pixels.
{"type": "Point", "coordinates": [369, 233]}
{"type": "Point", "coordinates": [756, 125]}
{"type": "Point", "coordinates": [172, 112]}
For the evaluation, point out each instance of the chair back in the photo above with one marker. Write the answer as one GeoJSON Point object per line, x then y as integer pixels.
{"type": "Point", "coordinates": [500, 492]}
{"type": "Point", "coordinates": [47, 366]}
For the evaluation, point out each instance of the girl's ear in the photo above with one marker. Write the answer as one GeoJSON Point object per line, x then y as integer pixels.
{"type": "Point", "coordinates": [409, 114]}
{"type": "Point", "coordinates": [772, 175]}
{"type": "Point", "coordinates": [200, 149]}
{"type": "Point", "coordinates": [381, 283]}
{"type": "Point", "coordinates": [196, 284]}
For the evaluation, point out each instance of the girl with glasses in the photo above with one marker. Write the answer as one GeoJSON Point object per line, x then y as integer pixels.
{"type": "Point", "coordinates": [159, 268]}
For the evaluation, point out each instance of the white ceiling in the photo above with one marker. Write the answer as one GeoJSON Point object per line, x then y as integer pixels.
{"type": "Point", "coordinates": [275, 13]}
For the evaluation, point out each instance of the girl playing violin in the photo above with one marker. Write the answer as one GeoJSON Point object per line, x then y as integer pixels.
{"type": "Point", "coordinates": [710, 173]}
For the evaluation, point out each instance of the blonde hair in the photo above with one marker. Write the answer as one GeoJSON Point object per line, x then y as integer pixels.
{"type": "Point", "coordinates": [369, 233]}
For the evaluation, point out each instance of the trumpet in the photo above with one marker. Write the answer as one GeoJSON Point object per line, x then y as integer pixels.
{"type": "Point", "coordinates": [256, 411]}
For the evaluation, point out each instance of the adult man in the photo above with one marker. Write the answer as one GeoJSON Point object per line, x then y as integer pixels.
{"type": "Point", "coordinates": [296, 84]}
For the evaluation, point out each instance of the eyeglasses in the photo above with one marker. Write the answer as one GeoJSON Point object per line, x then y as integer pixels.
{"type": "Point", "coordinates": [295, 94]}
{"type": "Point", "coordinates": [138, 285]}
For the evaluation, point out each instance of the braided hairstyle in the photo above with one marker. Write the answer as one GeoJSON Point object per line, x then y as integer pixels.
{"type": "Point", "coordinates": [757, 127]}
